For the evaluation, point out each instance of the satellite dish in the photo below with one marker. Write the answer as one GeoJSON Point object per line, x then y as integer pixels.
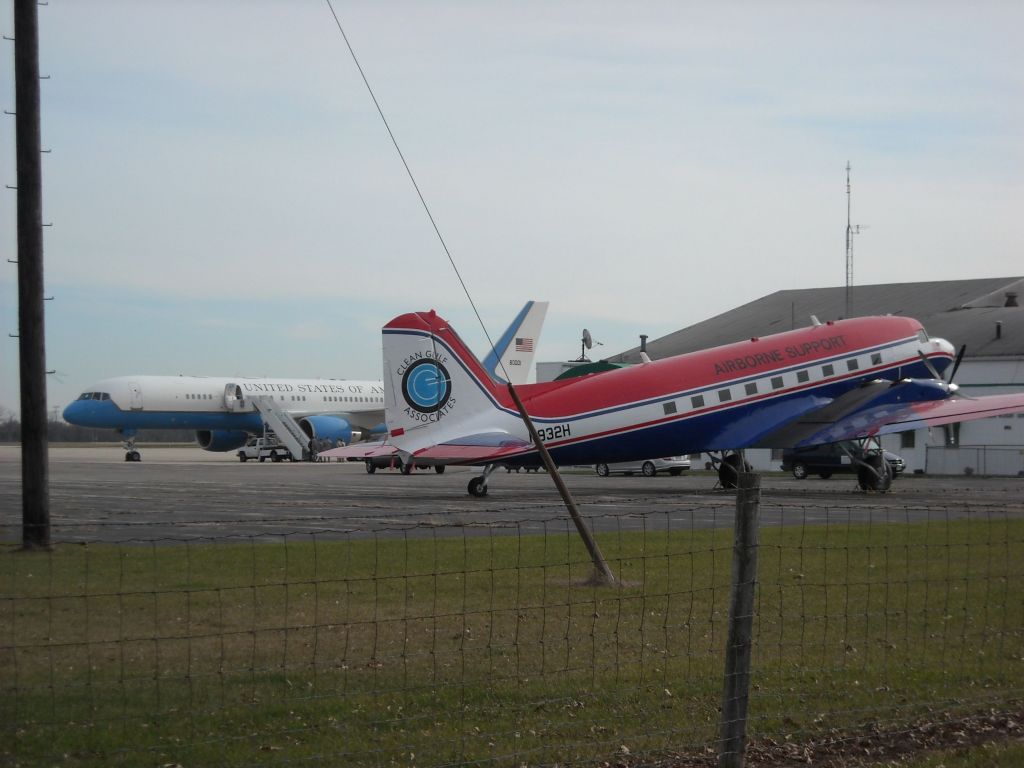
{"type": "Point", "coordinates": [586, 342]}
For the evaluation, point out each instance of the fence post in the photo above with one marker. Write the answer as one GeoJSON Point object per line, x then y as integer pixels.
{"type": "Point", "coordinates": [736, 686]}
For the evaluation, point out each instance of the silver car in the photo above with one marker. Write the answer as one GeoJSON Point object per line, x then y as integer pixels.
{"type": "Point", "coordinates": [674, 465]}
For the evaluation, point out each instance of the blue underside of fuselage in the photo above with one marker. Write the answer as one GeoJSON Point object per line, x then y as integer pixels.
{"type": "Point", "coordinates": [104, 414]}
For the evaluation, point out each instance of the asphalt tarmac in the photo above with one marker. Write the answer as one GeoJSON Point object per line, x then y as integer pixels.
{"type": "Point", "coordinates": [182, 493]}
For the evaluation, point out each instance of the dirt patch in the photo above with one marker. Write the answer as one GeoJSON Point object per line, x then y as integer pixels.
{"type": "Point", "coordinates": [874, 745]}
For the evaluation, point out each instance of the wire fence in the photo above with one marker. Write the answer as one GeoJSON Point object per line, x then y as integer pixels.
{"type": "Point", "coordinates": [432, 644]}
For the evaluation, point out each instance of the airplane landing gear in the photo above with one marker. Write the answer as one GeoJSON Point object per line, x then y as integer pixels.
{"type": "Point", "coordinates": [873, 472]}
{"type": "Point", "coordinates": [128, 443]}
{"type": "Point", "coordinates": [729, 469]}
{"type": "Point", "coordinates": [478, 485]}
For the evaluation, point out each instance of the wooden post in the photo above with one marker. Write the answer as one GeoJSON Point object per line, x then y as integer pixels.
{"type": "Point", "coordinates": [736, 687]}
{"type": "Point", "coordinates": [35, 468]}
{"type": "Point", "coordinates": [602, 573]}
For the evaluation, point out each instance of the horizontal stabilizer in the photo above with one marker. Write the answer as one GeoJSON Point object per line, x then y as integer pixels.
{"type": "Point", "coordinates": [359, 451]}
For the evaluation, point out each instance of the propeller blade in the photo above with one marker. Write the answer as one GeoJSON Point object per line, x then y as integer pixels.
{"type": "Point", "coordinates": [928, 364]}
{"type": "Point", "coordinates": [956, 363]}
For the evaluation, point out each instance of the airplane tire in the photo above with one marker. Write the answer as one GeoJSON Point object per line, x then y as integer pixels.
{"type": "Point", "coordinates": [602, 470]}
{"type": "Point", "coordinates": [728, 470]}
{"type": "Point", "coordinates": [877, 476]}
{"type": "Point", "coordinates": [370, 467]}
{"type": "Point", "coordinates": [648, 469]}
{"type": "Point", "coordinates": [406, 469]}
{"type": "Point", "coordinates": [439, 468]}
{"type": "Point", "coordinates": [800, 471]}
{"type": "Point", "coordinates": [128, 456]}
{"type": "Point", "coordinates": [477, 488]}
{"type": "Point", "coordinates": [262, 459]}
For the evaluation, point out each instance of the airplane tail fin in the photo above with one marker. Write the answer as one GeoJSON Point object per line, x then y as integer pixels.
{"type": "Point", "coordinates": [435, 389]}
{"type": "Point", "coordinates": [511, 359]}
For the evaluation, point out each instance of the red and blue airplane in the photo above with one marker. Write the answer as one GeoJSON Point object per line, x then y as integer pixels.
{"type": "Point", "coordinates": [851, 379]}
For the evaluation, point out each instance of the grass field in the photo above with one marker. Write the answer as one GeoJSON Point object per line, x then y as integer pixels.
{"type": "Point", "coordinates": [491, 649]}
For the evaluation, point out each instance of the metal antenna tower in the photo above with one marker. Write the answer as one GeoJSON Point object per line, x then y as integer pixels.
{"type": "Point", "coordinates": [851, 230]}
{"type": "Point", "coordinates": [849, 246]}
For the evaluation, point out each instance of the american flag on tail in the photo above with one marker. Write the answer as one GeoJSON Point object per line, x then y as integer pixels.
{"type": "Point", "coordinates": [524, 345]}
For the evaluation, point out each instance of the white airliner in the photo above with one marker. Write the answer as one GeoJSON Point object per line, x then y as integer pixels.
{"type": "Point", "coordinates": [223, 414]}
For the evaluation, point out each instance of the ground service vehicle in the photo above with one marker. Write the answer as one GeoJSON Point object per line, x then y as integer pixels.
{"type": "Point", "coordinates": [264, 448]}
{"type": "Point", "coordinates": [674, 465]}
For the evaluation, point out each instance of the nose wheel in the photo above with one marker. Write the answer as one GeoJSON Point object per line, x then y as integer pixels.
{"type": "Point", "coordinates": [130, 454]}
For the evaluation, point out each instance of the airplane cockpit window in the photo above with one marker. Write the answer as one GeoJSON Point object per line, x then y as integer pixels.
{"type": "Point", "coordinates": [104, 395]}
{"type": "Point", "coordinates": [922, 336]}
{"type": "Point", "coordinates": [85, 396]}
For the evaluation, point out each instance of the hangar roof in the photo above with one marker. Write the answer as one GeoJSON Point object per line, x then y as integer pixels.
{"type": "Point", "coordinates": [962, 311]}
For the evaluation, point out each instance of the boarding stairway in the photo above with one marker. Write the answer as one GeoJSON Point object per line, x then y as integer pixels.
{"type": "Point", "coordinates": [285, 428]}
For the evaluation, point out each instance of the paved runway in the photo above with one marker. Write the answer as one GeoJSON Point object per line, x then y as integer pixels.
{"type": "Point", "coordinates": [183, 493]}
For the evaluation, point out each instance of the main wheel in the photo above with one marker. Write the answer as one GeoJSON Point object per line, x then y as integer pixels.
{"type": "Point", "coordinates": [728, 470]}
{"type": "Point", "coordinates": [476, 487]}
{"type": "Point", "coordinates": [439, 468]}
{"type": "Point", "coordinates": [648, 469]}
{"type": "Point", "coordinates": [370, 467]}
{"type": "Point", "coordinates": [406, 468]}
{"type": "Point", "coordinates": [800, 471]}
{"type": "Point", "coordinates": [602, 470]}
{"type": "Point", "coordinates": [877, 476]}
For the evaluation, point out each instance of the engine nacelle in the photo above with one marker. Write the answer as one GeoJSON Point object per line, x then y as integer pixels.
{"type": "Point", "coordinates": [221, 439]}
{"type": "Point", "coordinates": [333, 428]}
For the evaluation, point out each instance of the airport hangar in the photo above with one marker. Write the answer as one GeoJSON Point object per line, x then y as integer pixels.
{"type": "Point", "coordinates": [985, 314]}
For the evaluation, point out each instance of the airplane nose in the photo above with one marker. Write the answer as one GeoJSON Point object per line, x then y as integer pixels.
{"type": "Point", "coordinates": [71, 412]}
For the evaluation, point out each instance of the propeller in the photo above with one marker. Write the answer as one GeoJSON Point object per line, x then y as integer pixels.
{"type": "Point", "coordinates": [956, 366]}
{"type": "Point", "coordinates": [956, 363]}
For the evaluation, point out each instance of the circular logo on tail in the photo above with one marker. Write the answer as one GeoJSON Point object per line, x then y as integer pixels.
{"type": "Point", "coordinates": [426, 386]}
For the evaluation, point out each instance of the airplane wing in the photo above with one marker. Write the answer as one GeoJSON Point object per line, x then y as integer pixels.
{"type": "Point", "coordinates": [887, 419]}
{"type": "Point", "coordinates": [881, 408]}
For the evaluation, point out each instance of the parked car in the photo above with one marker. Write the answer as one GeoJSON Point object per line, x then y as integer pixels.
{"type": "Point", "coordinates": [264, 448]}
{"type": "Point", "coordinates": [826, 460]}
{"type": "Point", "coordinates": [674, 465]}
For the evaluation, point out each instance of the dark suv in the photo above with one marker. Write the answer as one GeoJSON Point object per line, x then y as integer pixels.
{"type": "Point", "coordinates": [826, 460]}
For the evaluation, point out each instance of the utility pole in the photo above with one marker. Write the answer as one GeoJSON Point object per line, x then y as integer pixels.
{"type": "Point", "coordinates": [35, 468]}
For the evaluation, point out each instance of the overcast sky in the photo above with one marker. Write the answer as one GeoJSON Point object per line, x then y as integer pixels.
{"type": "Point", "coordinates": [225, 199]}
